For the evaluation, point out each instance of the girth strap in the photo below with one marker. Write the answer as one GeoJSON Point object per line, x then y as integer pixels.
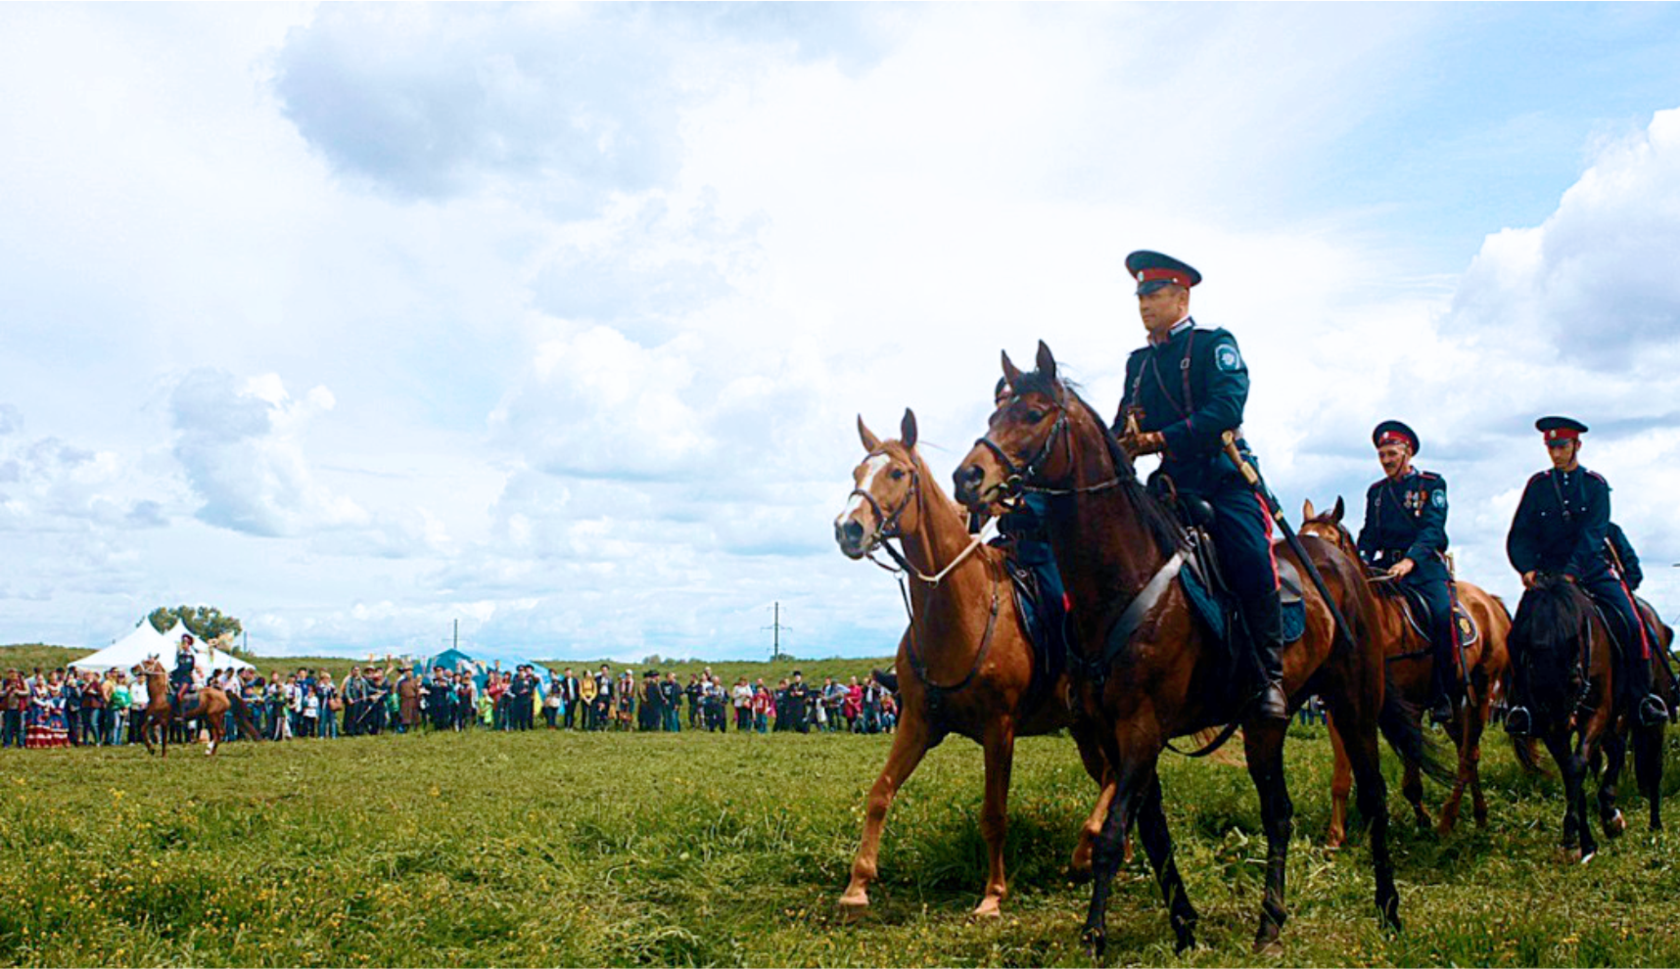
{"type": "Point", "coordinates": [1121, 632]}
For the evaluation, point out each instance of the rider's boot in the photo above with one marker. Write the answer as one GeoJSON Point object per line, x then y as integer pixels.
{"type": "Point", "coordinates": [1265, 622]}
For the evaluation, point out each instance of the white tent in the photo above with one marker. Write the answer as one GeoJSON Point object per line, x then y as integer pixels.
{"type": "Point", "coordinates": [145, 641]}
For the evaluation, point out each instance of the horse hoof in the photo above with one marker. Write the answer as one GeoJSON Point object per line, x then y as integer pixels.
{"type": "Point", "coordinates": [853, 909]}
{"type": "Point", "coordinates": [1569, 856]}
{"type": "Point", "coordinates": [1270, 948]}
{"type": "Point", "coordinates": [1096, 940]}
{"type": "Point", "coordinates": [989, 908]}
{"type": "Point", "coordinates": [1616, 824]}
{"type": "Point", "coordinates": [1589, 856]}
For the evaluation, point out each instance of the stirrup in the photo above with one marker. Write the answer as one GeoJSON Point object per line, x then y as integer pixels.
{"type": "Point", "coordinates": [1442, 711]}
{"type": "Point", "coordinates": [1518, 723]}
{"type": "Point", "coordinates": [1652, 710]}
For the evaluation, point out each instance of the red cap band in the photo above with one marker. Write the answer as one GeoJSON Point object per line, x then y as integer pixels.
{"type": "Point", "coordinates": [1170, 275]}
{"type": "Point", "coordinates": [1393, 437]}
{"type": "Point", "coordinates": [1562, 434]}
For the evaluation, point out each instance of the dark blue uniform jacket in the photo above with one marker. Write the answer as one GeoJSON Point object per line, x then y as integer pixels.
{"type": "Point", "coordinates": [1191, 388]}
{"type": "Point", "coordinates": [1407, 519]}
{"type": "Point", "coordinates": [1561, 525]}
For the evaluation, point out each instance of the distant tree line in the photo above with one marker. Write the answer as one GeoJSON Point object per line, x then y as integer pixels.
{"type": "Point", "coordinates": [204, 622]}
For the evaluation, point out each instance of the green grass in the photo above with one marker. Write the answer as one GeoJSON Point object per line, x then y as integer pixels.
{"type": "Point", "coordinates": [624, 849]}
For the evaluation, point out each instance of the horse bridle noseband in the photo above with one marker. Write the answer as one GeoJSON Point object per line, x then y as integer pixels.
{"type": "Point", "coordinates": [1018, 477]}
{"type": "Point", "coordinates": [886, 526]}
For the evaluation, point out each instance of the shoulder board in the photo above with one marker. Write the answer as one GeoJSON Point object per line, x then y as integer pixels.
{"type": "Point", "coordinates": [1600, 477]}
{"type": "Point", "coordinates": [1537, 476]}
{"type": "Point", "coordinates": [1429, 476]}
{"type": "Point", "coordinates": [1374, 486]}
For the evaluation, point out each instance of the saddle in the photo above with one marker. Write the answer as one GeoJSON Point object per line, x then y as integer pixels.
{"type": "Point", "coordinates": [1049, 644]}
{"type": "Point", "coordinates": [1419, 616]}
{"type": "Point", "coordinates": [1207, 589]}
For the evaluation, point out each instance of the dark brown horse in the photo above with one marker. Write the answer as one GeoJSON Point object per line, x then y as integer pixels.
{"type": "Point", "coordinates": [1411, 661]}
{"type": "Point", "coordinates": [965, 664]}
{"type": "Point", "coordinates": [209, 705]}
{"type": "Point", "coordinates": [1152, 672]}
{"type": "Point", "coordinates": [1564, 673]}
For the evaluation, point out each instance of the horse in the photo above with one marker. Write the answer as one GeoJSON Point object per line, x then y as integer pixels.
{"type": "Point", "coordinates": [210, 705]}
{"type": "Point", "coordinates": [1150, 671]}
{"type": "Point", "coordinates": [965, 664]}
{"type": "Point", "coordinates": [1564, 672]}
{"type": "Point", "coordinates": [1410, 656]}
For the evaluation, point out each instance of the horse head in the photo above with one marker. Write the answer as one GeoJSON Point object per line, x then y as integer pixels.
{"type": "Point", "coordinates": [1552, 642]}
{"type": "Point", "coordinates": [1028, 438]}
{"type": "Point", "coordinates": [886, 485]}
{"type": "Point", "coordinates": [1328, 526]}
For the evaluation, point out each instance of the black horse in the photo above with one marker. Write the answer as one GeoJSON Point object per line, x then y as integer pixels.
{"type": "Point", "coordinates": [1564, 673]}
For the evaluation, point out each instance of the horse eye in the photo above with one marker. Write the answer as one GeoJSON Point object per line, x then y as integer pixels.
{"type": "Point", "coordinates": [1034, 416]}
{"type": "Point", "coordinates": [897, 473]}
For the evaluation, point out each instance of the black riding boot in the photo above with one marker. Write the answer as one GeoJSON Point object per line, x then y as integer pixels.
{"type": "Point", "coordinates": [1444, 685]}
{"type": "Point", "coordinates": [1265, 623]}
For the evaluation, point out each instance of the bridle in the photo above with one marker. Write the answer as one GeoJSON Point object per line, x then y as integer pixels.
{"type": "Point", "coordinates": [887, 528]}
{"type": "Point", "coordinates": [1018, 478]}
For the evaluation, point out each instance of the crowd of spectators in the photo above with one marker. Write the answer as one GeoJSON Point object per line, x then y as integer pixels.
{"type": "Point", "coordinates": [66, 707]}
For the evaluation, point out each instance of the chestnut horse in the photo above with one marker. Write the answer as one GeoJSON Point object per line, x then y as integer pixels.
{"type": "Point", "coordinates": [1149, 671]}
{"type": "Point", "coordinates": [965, 664]}
{"type": "Point", "coordinates": [210, 706]}
{"type": "Point", "coordinates": [1411, 664]}
{"type": "Point", "coordinates": [1565, 674]}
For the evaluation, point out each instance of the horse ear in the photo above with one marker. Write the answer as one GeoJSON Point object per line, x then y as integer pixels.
{"type": "Point", "coordinates": [1308, 512]}
{"type": "Point", "coordinates": [870, 441]}
{"type": "Point", "coordinates": [907, 429]}
{"type": "Point", "coordinates": [1011, 372]}
{"type": "Point", "coordinates": [1046, 361]}
{"type": "Point", "coordinates": [1341, 509]}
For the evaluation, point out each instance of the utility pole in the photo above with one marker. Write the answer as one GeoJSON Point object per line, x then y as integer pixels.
{"type": "Point", "coordinates": [456, 642]}
{"type": "Point", "coordinates": [776, 628]}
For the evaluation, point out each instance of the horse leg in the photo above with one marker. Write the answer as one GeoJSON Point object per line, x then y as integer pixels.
{"type": "Point", "coordinates": [1371, 793]}
{"type": "Point", "coordinates": [1341, 782]}
{"type": "Point", "coordinates": [1091, 755]}
{"type": "Point", "coordinates": [1460, 730]}
{"type": "Point", "coordinates": [146, 732]}
{"type": "Point", "coordinates": [1411, 788]}
{"type": "Point", "coordinates": [1157, 844]}
{"type": "Point", "coordinates": [1477, 718]}
{"type": "Point", "coordinates": [1615, 756]}
{"type": "Point", "coordinates": [1263, 741]}
{"type": "Point", "coordinates": [1570, 769]}
{"type": "Point", "coordinates": [909, 747]}
{"type": "Point", "coordinates": [994, 812]}
{"type": "Point", "coordinates": [1648, 768]}
{"type": "Point", "coordinates": [1134, 769]}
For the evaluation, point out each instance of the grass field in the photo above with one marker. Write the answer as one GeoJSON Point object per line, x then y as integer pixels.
{"type": "Point", "coordinates": [623, 849]}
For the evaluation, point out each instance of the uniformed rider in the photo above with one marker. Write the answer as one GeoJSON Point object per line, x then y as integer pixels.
{"type": "Point", "coordinates": [1405, 535]}
{"type": "Point", "coordinates": [181, 678]}
{"type": "Point", "coordinates": [1184, 389]}
{"type": "Point", "coordinates": [1022, 536]}
{"type": "Point", "coordinates": [1562, 527]}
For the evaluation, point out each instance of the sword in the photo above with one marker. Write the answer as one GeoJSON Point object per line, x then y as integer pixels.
{"type": "Point", "coordinates": [1252, 476]}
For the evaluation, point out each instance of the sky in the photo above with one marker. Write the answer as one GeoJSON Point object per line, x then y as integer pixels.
{"type": "Point", "coordinates": [556, 320]}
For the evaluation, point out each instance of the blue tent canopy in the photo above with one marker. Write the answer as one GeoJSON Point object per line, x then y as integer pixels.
{"type": "Point", "coordinates": [479, 661]}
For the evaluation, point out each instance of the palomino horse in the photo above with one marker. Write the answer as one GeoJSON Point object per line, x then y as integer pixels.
{"type": "Point", "coordinates": [1565, 675]}
{"type": "Point", "coordinates": [965, 665]}
{"type": "Point", "coordinates": [1411, 662]}
{"type": "Point", "coordinates": [1149, 670]}
{"type": "Point", "coordinates": [211, 706]}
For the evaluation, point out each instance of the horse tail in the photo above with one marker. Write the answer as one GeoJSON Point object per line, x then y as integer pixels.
{"type": "Point", "coordinates": [242, 716]}
{"type": "Point", "coordinates": [1401, 722]}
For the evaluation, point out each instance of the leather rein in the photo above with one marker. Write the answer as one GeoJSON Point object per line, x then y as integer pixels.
{"type": "Point", "coordinates": [888, 529]}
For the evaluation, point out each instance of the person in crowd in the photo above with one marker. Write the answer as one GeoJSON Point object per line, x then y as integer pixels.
{"type": "Point", "coordinates": [761, 707]}
{"type": "Point", "coordinates": [798, 696]}
{"type": "Point", "coordinates": [626, 698]}
{"type": "Point", "coordinates": [14, 702]}
{"type": "Point", "coordinates": [652, 712]}
{"type": "Point", "coordinates": [355, 703]}
{"type": "Point", "coordinates": [570, 695]}
{"type": "Point", "coordinates": [833, 694]}
{"type": "Point", "coordinates": [780, 696]}
{"type": "Point", "coordinates": [497, 690]}
{"type": "Point", "coordinates": [671, 693]}
{"type": "Point", "coordinates": [693, 692]}
{"type": "Point", "coordinates": [116, 709]}
{"type": "Point", "coordinates": [139, 697]}
{"type": "Point", "coordinates": [408, 700]}
{"type": "Point", "coordinates": [311, 714]}
{"type": "Point", "coordinates": [741, 696]}
{"type": "Point", "coordinates": [852, 707]}
{"type": "Point", "coordinates": [331, 705]}
{"type": "Point", "coordinates": [466, 701]}
{"type": "Point", "coordinates": [601, 709]}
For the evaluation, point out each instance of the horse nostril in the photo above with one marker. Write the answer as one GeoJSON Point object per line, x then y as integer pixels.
{"type": "Point", "coordinates": [852, 532]}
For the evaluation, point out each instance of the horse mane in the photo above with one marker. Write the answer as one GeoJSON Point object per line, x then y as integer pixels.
{"type": "Point", "coordinates": [1551, 616]}
{"type": "Point", "coordinates": [1158, 521]}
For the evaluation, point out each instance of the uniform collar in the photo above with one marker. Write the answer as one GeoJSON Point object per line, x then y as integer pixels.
{"type": "Point", "coordinates": [1174, 331]}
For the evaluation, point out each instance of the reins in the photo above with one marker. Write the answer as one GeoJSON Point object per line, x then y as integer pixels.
{"type": "Point", "coordinates": [885, 532]}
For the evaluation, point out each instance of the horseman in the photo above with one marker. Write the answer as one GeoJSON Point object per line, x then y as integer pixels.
{"type": "Point", "coordinates": [1562, 526]}
{"type": "Point", "coordinates": [1405, 535]}
{"type": "Point", "coordinates": [181, 679]}
{"type": "Point", "coordinates": [1184, 389]}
